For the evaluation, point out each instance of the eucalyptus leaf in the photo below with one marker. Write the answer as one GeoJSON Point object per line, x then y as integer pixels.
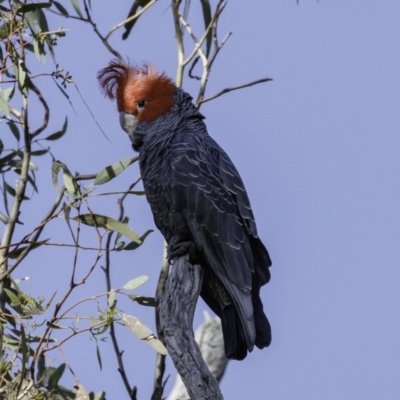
{"type": "Point", "coordinates": [75, 4]}
{"type": "Point", "coordinates": [143, 332]}
{"type": "Point", "coordinates": [9, 93]}
{"type": "Point", "coordinates": [67, 210]}
{"type": "Point", "coordinates": [112, 171]}
{"type": "Point", "coordinates": [144, 300]}
{"type": "Point", "coordinates": [111, 298]}
{"type": "Point", "coordinates": [134, 245]}
{"type": "Point", "coordinates": [81, 393]}
{"type": "Point", "coordinates": [56, 376]}
{"type": "Point", "coordinates": [134, 9]}
{"type": "Point", "coordinates": [205, 4]}
{"type": "Point", "coordinates": [16, 253]}
{"type": "Point", "coordinates": [60, 8]}
{"type": "Point", "coordinates": [20, 74]}
{"type": "Point", "coordinates": [98, 354]}
{"type": "Point", "coordinates": [14, 299]}
{"type": "Point", "coordinates": [60, 133]}
{"type": "Point", "coordinates": [33, 7]}
{"type": "Point", "coordinates": [14, 129]}
{"type": "Point", "coordinates": [3, 104]}
{"type": "Point", "coordinates": [37, 153]}
{"type": "Point", "coordinates": [69, 180]}
{"type": "Point", "coordinates": [111, 224]}
{"type": "Point", "coordinates": [134, 283]}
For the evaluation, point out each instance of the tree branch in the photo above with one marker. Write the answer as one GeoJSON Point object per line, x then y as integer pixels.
{"type": "Point", "coordinates": [227, 90]}
{"type": "Point", "coordinates": [176, 309]}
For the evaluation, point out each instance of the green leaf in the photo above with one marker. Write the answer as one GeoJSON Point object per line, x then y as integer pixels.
{"type": "Point", "coordinates": [134, 9]}
{"type": "Point", "coordinates": [16, 253]}
{"type": "Point", "coordinates": [205, 4]}
{"type": "Point", "coordinates": [144, 300]}
{"type": "Point", "coordinates": [112, 171]}
{"type": "Point", "coordinates": [134, 283]}
{"type": "Point", "coordinates": [55, 326]}
{"type": "Point", "coordinates": [47, 305]}
{"type": "Point", "coordinates": [143, 332]}
{"type": "Point", "coordinates": [98, 396]}
{"type": "Point", "coordinates": [60, 133]}
{"type": "Point", "coordinates": [111, 298]}
{"type": "Point", "coordinates": [33, 7]}
{"type": "Point", "coordinates": [75, 4]}
{"type": "Point", "coordinates": [39, 152]}
{"type": "Point", "coordinates": [20, 74]}
{"type": "Point", "coordinates": [60, 8]}
{"type": "Point", "coordinates": [3, 104]}
{"type": "Point", "coordinates": [67, 210]}
{"type": "Point", "coordinates": [82, 393]}
{"type": "Point", "coordinates": [99, 357]}
{"type": "Point", "coordinates": [55, 377]}
{"type": "Point", "coordinates": [40, 53]}
{"type": "Point", "coordinates": [14, 299]}
{"type": "Point", "coordinates": [117, 243]}
{"type": "Point", "coordinates": [9, 93]}
{"type": "Point", "coordinates": [41, 367]}
{"type": "Point", "coordinates": [135, 245]}
{"type": "Point", "coordinates": [111, 224]}
{"type": "Point", "coordinates": [9, 189]}
{"type": "Point", "coordinates": [69, 181]}
{"type": "Point", "coordinates": [14, 129]}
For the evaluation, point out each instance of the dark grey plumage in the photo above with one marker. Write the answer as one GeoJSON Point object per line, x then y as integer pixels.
{"type": "Point", "coordinates": [196, 194]}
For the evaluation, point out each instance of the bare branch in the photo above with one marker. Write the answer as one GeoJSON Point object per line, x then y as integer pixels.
{"type": "Point", "coordinates": [227, 90]}
{"type": "Point", "coordinates": [176, 309]}
{"type": "Point", "coordinates": [101, 37]}
{"type": "Point", "coordinates": [179, 41]}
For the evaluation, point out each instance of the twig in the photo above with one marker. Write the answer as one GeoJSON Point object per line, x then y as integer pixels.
{"type": "Point", "coordinates": [101, 37]}
{"type": "Point", "coordinates": [132, 391]}
{"type": "Point", "coordinates": [34, 241]}
{"type": "Point", "coordinates": [227, 90]}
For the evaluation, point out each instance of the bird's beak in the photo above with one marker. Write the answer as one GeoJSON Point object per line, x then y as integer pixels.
{"type": "Point", "coordinates": [128, 123]}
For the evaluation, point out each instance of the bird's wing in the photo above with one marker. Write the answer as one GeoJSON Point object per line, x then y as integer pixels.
{"type": "Point", "coordinates": [209, 194]}
{"type": "Point", "coordinates": [209, 190]}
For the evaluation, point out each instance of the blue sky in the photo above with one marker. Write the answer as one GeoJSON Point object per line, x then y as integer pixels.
{"type": "Point", "coordinates": [318, 149]}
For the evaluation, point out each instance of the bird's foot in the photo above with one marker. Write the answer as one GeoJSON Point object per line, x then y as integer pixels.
{"type": "Point", "coordinates": [178, 248]}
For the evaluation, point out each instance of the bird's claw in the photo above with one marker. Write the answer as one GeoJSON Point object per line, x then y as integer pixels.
{"type": "Point", "coordinates": [177, 248]}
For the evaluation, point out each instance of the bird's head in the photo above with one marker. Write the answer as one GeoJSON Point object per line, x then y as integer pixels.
{"type": "Point", "coordinates": [142, 93]}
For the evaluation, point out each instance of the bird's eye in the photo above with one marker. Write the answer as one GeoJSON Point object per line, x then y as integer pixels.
{"type": "Point", "coordinates": [140, 105]}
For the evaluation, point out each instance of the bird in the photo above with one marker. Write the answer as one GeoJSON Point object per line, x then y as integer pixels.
{"type": "Point", "coordinates": [197, 198]}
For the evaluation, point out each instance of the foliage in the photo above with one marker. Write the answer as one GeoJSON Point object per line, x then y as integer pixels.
{"type": "Point", "coordinates": [27, 335]}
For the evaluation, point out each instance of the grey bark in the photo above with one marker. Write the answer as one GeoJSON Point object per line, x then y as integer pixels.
{"type": "Point", "coordinates": [210, 339]}
{"type": "Point", "coordinates": [176, 309]}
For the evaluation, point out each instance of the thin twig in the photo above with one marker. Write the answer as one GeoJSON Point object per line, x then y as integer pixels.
{"type": "Point", "coordinates": [227, 90]}
{"type": "Point", "coordinates": [132, 391]}
{"type": "Point", "coordinates": [101, 37]}
{"type": "Point", "coordinates": [34, 240]}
